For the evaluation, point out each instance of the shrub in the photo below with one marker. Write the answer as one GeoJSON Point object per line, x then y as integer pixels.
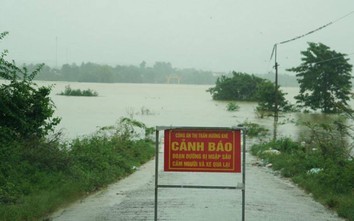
{"type": "Point", "coordinates": [109, 154]}
{"type": "Point", "coordinates": [39, 176]}
{"type": "Point", "coordinates": [331, 183]}
{"type": "Point", "coordinates": [330, 136]}
{"type": "Point", "coordinates": [78, 92]}
{"type": "Point", "coordinates": [232, 106]}
{"type": "Point", "coordinates": [255, 130]}
{"type": "Point", "coordinates": [26, 110]}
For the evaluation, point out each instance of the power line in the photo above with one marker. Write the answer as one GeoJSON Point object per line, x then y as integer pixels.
{"type": "Point", "coordinates": [334, 58]}
{"type": "Point", "coordinates": [310, 32]}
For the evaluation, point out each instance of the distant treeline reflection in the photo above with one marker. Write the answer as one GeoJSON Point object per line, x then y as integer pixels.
{"type": "Point", "coordinates": [159, 73]}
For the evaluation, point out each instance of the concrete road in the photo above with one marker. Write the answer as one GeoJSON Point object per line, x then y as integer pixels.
{"type": "Point", "coordinates": [268, 197]}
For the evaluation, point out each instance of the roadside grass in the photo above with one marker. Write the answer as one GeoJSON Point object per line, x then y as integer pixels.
{"type": "Point", "coordinates": [38, 177]}
{"type": "Point", "coordinates": [330, 180]}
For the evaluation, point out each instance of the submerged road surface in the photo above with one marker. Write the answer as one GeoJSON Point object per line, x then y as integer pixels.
{"type": "Point", "coordinates": [268, 197]}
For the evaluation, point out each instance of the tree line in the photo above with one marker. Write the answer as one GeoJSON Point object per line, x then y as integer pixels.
{"type": "Point", "coordinates": [160, 73]}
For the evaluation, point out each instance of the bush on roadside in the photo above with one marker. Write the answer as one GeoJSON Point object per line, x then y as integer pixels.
{"type": "Point", "coordinates": [329, 179]}
{"type": "Point", "coordinates": [101, 159]}
{"type": "Point", "coordinates": [26, 110]}
{"type": "Point", "coordinates": [255, 130]}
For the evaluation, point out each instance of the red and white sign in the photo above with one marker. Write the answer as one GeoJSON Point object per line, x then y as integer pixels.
{"type": "Point", "coordinates": [196, 150]}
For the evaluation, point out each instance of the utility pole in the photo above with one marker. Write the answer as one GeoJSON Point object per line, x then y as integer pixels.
{"type": "Point", "coordinates": [275, 96]}
{"type": "Point", "coordinates": [56, 51]}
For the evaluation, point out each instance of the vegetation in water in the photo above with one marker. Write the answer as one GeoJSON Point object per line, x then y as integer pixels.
{"type": "Point", "coordinates": [324, 77]}
{"type": "Point", "coordinates": [266, 100]}
{"type": "Point", "coordinates": [78, 92]}
{"type": "Point", "coordinates": [232, 106]}
{"type": "Point", "coordinates": [239, 87]}
{"type": "Point", "coordinates": [245, 87]}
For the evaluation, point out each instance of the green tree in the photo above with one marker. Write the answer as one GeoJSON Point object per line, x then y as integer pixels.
{"type": "Point", "coordinates": [266, 98]}
{"type": "Point", "coordinates": [324, 77]}
{"type": "Point", "coordinates": [240, 87]}
{"type": "Point", "coordinates": [25, 109]}
{"type": "Point", "coordinates": [245, 87]}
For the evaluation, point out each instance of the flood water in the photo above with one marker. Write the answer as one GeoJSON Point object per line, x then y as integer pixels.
{"type": "Point", "coordinates": [152, 104]}
{"type": "Point", "coordinates": [156, 105]}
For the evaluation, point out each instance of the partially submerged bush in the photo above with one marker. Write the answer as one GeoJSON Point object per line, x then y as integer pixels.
{"type": "Point", "coordinates": [78, 92]}
{"type": "Point", "coordinates": [232, 106]}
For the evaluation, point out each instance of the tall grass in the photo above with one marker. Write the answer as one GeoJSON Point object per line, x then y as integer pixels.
{"type": "Point", "coordinates": [330, 180]}
{"type": "Point", "coordinates": [37, 177]}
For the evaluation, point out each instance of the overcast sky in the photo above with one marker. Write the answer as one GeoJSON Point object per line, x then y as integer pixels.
{"type": "Point", "coordinates": [216, 35]}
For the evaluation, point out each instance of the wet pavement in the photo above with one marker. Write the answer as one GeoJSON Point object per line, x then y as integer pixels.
{"type": "Point", "coordinates": [268, 197]}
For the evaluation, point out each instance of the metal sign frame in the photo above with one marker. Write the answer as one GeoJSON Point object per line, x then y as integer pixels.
{"type": "Point", "coordinates": [241, 187]}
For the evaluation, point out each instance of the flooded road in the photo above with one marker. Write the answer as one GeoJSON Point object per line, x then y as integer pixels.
{"type": "Point", "coordinates": [268, 198]}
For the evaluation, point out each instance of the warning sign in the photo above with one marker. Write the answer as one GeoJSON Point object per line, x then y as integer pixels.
{"type": "Point", "coordinates": [202, 150]}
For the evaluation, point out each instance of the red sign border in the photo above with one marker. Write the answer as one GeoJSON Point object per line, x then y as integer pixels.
{"type": "Point", "coordinates": [236, 162]}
